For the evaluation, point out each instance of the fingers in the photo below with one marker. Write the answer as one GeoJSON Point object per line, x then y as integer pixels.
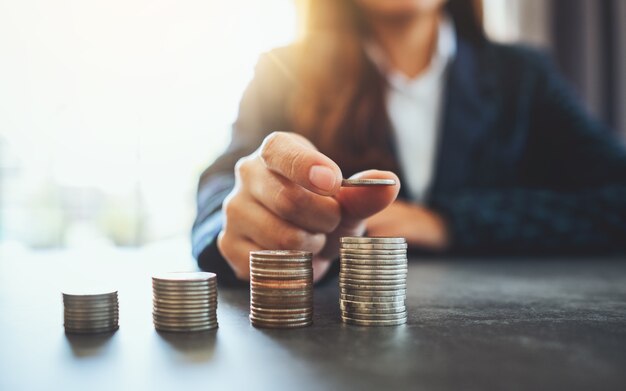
{"type": "Point", "coordinates": [296, 159]}
{"type": "Point", "coordinates": [359, 203]}
{"type": "Point", "coordinates": [289, 201]}
{"type": "Point", "coordinates": [268, 231]}
{"type": "Point", "coordinates": [236, 250]}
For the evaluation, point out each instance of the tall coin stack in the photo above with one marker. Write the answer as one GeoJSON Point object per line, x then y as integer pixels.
{"type": "Point", "coordinates": [96, 312]}
{"type": "Point", "coordinates": [372, 281]}
{"type": "Point", "coordinates": [184, 301]}
{"type": "Point", "coordinates": [281, 289]}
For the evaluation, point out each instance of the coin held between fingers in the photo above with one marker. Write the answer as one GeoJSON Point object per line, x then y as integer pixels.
{"type": "Point", "coordinates": [367, 182]}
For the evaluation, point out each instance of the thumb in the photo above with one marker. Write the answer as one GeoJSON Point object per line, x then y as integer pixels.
{"type": "Point", "coordinates": [359, 203]}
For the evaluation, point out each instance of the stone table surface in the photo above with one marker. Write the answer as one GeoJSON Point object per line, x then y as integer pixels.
{"type": "Point", "coordinates": [474, 324]}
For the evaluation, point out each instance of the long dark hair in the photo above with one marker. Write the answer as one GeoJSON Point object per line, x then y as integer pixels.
{"type": "Point", "coordinates": [339, 98]}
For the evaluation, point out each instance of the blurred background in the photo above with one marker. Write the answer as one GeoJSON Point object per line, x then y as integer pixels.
{"type": "Point", "coordinates": [109, 110]}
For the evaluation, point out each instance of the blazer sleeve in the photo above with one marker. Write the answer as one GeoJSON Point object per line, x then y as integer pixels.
{"type": "Point", "coordinates": [261, 111]}
{"type": "Point", "coordinates": [574, 196]}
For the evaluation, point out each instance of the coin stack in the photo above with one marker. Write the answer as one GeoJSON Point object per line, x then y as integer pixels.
{"type": "Point", "coordinates": [281, 289]}
{"type": "Point", "coordinates": [372, 281]}
{"type": "Point", "coordinates": [184, 301]}
{"type": "Point", "coordinates": [93, 312]}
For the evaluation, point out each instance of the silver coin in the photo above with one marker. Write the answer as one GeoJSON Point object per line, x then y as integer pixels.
{"type": "Point", "coordinates": [375, 246]}
{"type": "Point", "coordinates": [399, 258]}
{"type": "Point", "coordinates": [381, 254]}
{"type": "Point", "coordinates": [93, 304]}
{"type": "Point", "coordinates": [280, 254]}
{"type": "Point", "coordinates": [181, 309]}
{"type": "Point", "coordinates": [184, 321]}
{"type": "Point", "coordinates": [378, 263]}
{"type": "Point", "coordinates": [184, 287]}
{"type": "Point", "coordinates": [89, 317]}
{"type": "Point", "coordinates": [371, 286]}
{"type": "Point", "coordinates": [281, 261]}
{"type": "Point", "coordinates": [191, 287]}
{"type": "Point", "coordinates": [185, 312]}
{"type": "Point", "coordinates": [300, 319]}
{"type": "Point", "coordinates": [374, 268]}
{"type": "Point", "coordinates": [274, 273]}
{"type": "Point", "coordinates": [186, 329]}
{"type": "Point", "coordinates": [102, 330]}
{"type": "Point", "coordinates": [374, 257]}
{"type": "Point", "coordinates": [370, 292]}
{"type": "Point", "coordinates": [184, 295]}
{"type": "Point", "coordinates": [90, 303]}
{"type": "Point", "coordinates": [282, 266]}
{"type": "Point", "coordinates": [373, 299]}
{"type": "Point", "coordinates": [305, 302]}
{"type": "Point", "coordinates": [367, 182]}
{"type": "Point", "coordinates": [184, 324]}
{"type": "Point", "coordinates": [157, 301]}
{"type": "Point", "coordinates": [373, 273]}
{"type": "Point", "coordinates": [293, 325]}
{"type": "Point", "coordinates": [185, 276]}
{"type": "Point", "coordinates": [304, 296]}
{"type": "Point", "coordinates": [89, 293]}
{"type": "Point", "coordinates": [373, 240]}
{"type": "Point", "coordinates": [373, 316]}
{"type": "Point", "coordinates": [372, 305]}
{"type": "Point", "coordinates": [260, 293]}
{"type": "Point", "coordinates": [281, 316]}
{"type": "Point", "coordinates": [373, 282]}
{"type": "Point", "coordinates": [304, 285]}
{"type": "Point", "coordinates": [90, 325]}
{"type": "Point", "coordinates": [364, 311]}
{"type": "Point", "coordinates": [368, 323]}
{"type": "Point", "coordinates": [270, 311]}
{"type": "Point", "coordinates": [372, 276]}
{"type": "Point", "coordinates": [180, 281]}
{"type": "Point", "coordinates": [183, 292]}
{"type": "Point", "coordinates": [90, 310]}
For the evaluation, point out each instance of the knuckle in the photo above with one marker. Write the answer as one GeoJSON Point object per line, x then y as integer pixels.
{"type": "Point", "coordinates": [269, 145]}
{"type": "Point", "coordinates": [292, 239]}
{"type": "Point", "coordinates": [294, 158]}
{"type": "Point", "coordinates": [224, 241]}
{"type": "Point", "coordinates": [243, 167]}
{"type": "Point", "coordinates": [285, 202]}
{"type": "Point", "coordinates": [231, 206]}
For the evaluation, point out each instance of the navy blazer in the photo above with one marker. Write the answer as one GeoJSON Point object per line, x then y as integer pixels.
{"type": "Point", "coordinates": [521, 167]}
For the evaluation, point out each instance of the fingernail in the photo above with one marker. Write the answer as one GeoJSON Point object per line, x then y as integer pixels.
{"type": "Point", "coordinates": [322, 177]}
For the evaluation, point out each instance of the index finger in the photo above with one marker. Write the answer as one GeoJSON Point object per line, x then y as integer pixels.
{"type": "Point", "coordinates": [296, 159]}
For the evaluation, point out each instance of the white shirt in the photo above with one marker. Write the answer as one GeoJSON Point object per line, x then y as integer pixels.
{"type": "Point", "coordinates": [414, 106]}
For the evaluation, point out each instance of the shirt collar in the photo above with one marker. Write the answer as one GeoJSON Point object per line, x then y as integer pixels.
{"type": "Point", "coordinates": [442, 56]}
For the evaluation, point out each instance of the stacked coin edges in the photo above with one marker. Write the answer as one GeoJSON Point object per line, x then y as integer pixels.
{"type": "Point", "coordinates": [184, 302]}
{"type": "Point", "coordinates": [372, 281]}
{"type": "Point", "coordinates": [90, 313]}
{"type": "Point", "coordinates": [281, 289]}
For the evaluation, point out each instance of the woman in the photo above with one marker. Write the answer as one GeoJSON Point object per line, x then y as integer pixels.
{"type": "Point", "coordinates": [494, 153]}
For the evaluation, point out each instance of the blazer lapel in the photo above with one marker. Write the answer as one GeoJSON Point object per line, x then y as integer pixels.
{"type": "Point", "coordinates": [469, 111]}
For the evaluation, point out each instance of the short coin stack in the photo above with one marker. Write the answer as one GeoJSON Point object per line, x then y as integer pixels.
{"type": "Point", "coordinates": [184, 301]}
{"type": "Point", "coordinates": [372, 281]}
{"type": "Point", "coordinates": [93, 312]}
{"type": "Point", "coordinates": [281, 289]}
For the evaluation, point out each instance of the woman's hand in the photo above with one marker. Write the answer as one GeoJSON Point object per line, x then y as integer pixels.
{"type": "Point", "coordinates": [420, 226]}
{"type": "Point", "coordinates": [288, 196]}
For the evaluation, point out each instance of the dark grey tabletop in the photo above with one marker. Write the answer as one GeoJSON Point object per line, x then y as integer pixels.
{"type": "Point", "coordinates": [474, 325]}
